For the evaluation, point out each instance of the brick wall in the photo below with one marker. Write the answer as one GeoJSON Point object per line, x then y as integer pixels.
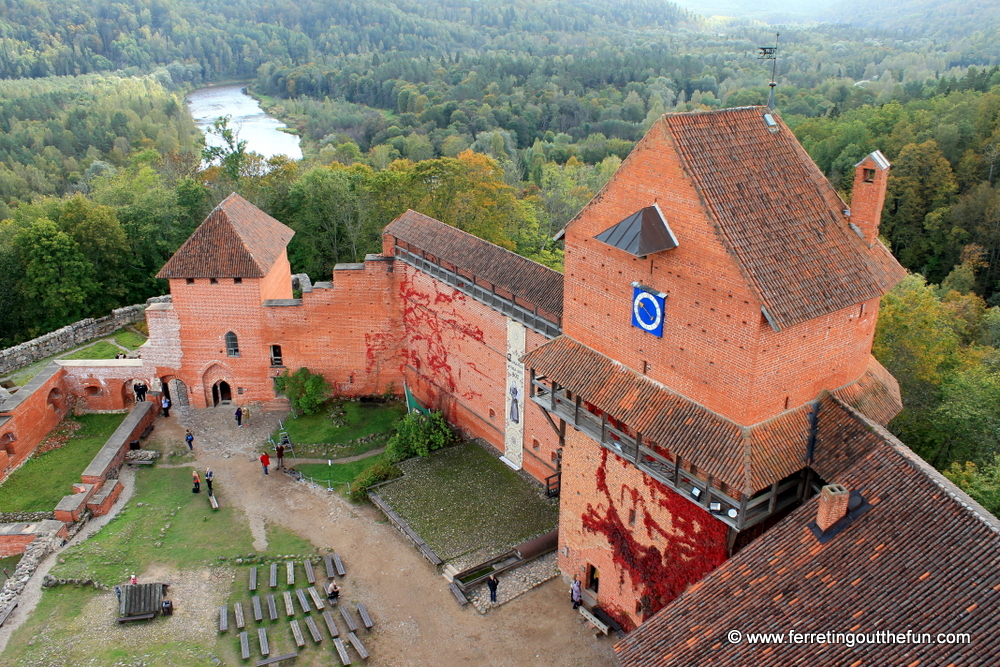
{"type": "Point", "coordinates": [28, 416]}
{"type": "Point", "coordinates": [11, 545]}
{"type": "Point", "coordinates": [103, 385]}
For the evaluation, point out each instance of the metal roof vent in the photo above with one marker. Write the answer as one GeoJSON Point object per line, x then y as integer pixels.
{"type": "Point", "coordinates": [643, 233]}
{"type": "Point", "coordinates": [772, 124]}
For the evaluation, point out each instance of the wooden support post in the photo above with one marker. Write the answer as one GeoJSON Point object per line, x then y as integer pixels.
{"type": "Point", "coordinates": [576, 410]}
{"type": "Point", "coordinates": [774, 498]}
{"type": "Point", "coordinates": [741, 520]}
{"type": "Point", "coordinates": [708, 491]}
{"type": "Point", "coordinates": [677, 471]}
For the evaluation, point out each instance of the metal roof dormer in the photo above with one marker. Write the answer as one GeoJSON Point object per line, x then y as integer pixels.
{"type": "Point", "coordinates": [643, 233]}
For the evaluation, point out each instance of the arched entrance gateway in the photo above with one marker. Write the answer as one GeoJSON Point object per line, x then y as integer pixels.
{"type": "Point", "coordinates": [221, 393]}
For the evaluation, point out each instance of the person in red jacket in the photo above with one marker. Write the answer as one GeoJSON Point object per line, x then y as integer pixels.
{"type": "Point", "coordinates": [265, 461]}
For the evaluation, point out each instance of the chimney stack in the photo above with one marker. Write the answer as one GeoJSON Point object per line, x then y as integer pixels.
{"type": "Point", "coordinates": [832, 505]}
{"type": "Point", "coordinates": [871, 177]}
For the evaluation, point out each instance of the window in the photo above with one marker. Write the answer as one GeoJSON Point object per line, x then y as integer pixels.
{"type": "Point", "coordinates": [189, 281]}
{"type": "Point", "coordinates": [535, 444]}
{"type": "Point", "coordinates": [276, 355]}
{"type": "Point", "coordinates": [232, 345]}
{"type": "Point", "coordinates": [213, 281]}
{"type": "Point", "coordinates": [237, 281]}
{"type": "Point", "coordinates": [593, 578]}
{"type": "Point", "coordinates": [869, 175]}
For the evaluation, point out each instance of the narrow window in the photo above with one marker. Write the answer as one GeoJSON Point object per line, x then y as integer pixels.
{"type": "Point", "coordinates": [869, 175]}
{"type": "Point", "coordinates": [631, 517]}
{"type": "Point", "coordinates": [213, 281]}
{"type": "Point", "coordinates": [535, 444]}
{"type": "Point", "coordinates": [786, 402]}
{"type": "Point", "coordinates": [276, 355]}
{"type": "Point", "coordinates": [232, 345]}
{"type": "Point", "coordinates": [189, 281]}
{"type": "Point", "coordinates": [237, 281]}
{"type": "Point", "coordinates": [593, 578]}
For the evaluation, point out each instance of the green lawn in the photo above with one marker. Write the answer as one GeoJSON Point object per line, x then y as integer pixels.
{"type": "Point", "coordinates": [320, 436]}
{"type": "Point", "coordinates": [338, 472]}
{"type": "Point", "coordinates": [130, 339]}
{"type": "Point", "coordinates": [43, 480]}
{"type": "Point", "coordinates": [100, 350]}
{"type": "Point", "coordinates": [445, 494]}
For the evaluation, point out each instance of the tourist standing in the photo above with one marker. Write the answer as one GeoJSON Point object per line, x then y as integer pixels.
{"type": "Point", "coordinates": [279, 452]}
{"type": "Point", "coordinates": [239, 416]}
{"type": "Point", "coordinates": [493, 583]}
{"type": "Point", "coordinates": [196, 481]}
{"type": "Point", "coordinates": [166, 405]}
{"type": "Point", "coordinates": [209, 478]}
{"type": "Point", "coordinates": [576, 592]}
{"type": "Point", "coordinates": [265, 461]}
{"type": "Point", "coordinates": [189, 437]}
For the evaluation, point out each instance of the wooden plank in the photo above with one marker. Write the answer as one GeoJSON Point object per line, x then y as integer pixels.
{"type": "Point", "coordinates": [310, 575]}
{"type": "Point", "coordinates": [365, 618]}
{"type": "Point", "coordinates": [339, 564]}
{"type": "Point", "coordinates": [138, 617]}
{"type": "Point", "coordinates": [358, 646]}
{"type": "Point", "coordinates": [272, 608]}
{"type": "Point", "coordinates": [244, 645]}
{"type": "Point", "coordinates": [257, 614]}
{"type": "Point", "coordinates": [342, 652]}
{"type": "Point", "coordinates": [213, 501]}
{"type": "Point", "coordinates": [302, 600]}
{"type": "Point", "coordinates": [274, 575]}
{"type": "Point", "coordinates": [331, 624]}
{"type": "Point", "coordinates": [317, 598]}
{"type": "Point", "coordinates": [276, 659]}
{"type": "Point", "coordinates": [328, 561]}
{"type": "Point", "coordinates": [351, 625]}
{"type": "Point", "coordinates": [253, 578]}
{"type": "Point", "coordinates": [289, 607]}
{"type": "Point", "coordinates": [238, 608]}
{"type": "Point", "coordinates": [457, 592]}
{"type": "Point", "coordinates": [300, 641]}
{"type": "Point", "coordinates": [313, 630]}
{"type": "Point", "coordinates": [290, 573]}
{"type": "Point", "coordinates": [265, 647]}
{"type": "Point", "coordinates": [593, 620]}
{"type": "Point", "coordinates": [223, 618]}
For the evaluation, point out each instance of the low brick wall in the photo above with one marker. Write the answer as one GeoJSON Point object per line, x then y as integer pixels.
{"type": "Point", "coordinates": [100, 503]}
{"type": "Point", "coordinates": [112, 455]}
{"type": "Point", "coordinates": [11, 545]}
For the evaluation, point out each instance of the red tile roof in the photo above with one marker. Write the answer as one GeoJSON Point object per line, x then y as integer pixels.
{"type": "Point", "coordinates": [778, 215]}
{"type": "Point", "coordinates": [527, 280]}
{"type": "Point", "coordinates": [875, 394]}
{"type": "Point", "coordinates": [236, 240]}
{"type": "Point", "coordinates": [925, 558]}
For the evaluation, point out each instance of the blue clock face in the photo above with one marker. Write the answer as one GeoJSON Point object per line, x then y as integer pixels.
{"type": "Point", "coordinates": [647, 311]}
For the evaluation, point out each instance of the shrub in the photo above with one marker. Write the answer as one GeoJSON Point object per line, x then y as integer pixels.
{"type": "Point", "coordinates": [306, 391]}
{"type": "Point", "coordinates": [380, 472]}
{"type": "Point", "coordinates": [418, 435]}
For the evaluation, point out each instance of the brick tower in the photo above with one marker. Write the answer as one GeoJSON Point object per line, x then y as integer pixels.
{"type": "Point", "coordinates": [715, 290]}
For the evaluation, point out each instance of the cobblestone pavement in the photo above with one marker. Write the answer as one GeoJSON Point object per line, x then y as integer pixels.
{"type": "Point", "coordinates": [516, 583]}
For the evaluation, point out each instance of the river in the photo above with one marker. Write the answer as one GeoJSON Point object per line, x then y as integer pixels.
{"type": "Point", "coordinates": [261, 132]}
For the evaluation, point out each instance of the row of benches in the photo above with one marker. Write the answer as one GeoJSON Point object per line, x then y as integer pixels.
{"type": "Point", "coordinates": [300, 641]}
{"type": "Point", "coordinates": [334, 565]}
{"type": "Point", "coordinates": [272, 609]}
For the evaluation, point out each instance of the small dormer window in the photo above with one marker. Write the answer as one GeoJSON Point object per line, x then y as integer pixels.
{"type": "Point", "coordinates": [232, 345]}
{"type": "Point", "coordinates": [189, 281]}
{"type": "Point", "coordinates": [213, 281]}
{"type": "Point", "coordinates": [869, 175]}
{"type": "Point", "coordinates": [237, 281]}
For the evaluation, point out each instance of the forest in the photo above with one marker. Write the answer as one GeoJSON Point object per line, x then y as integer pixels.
{"type": "Point", "coordinates": [501, 117]}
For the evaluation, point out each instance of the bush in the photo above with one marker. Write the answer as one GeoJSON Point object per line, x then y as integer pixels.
{"type": "Point", "coordinates": [418, 435]}
{"type": "Point", "coordinates": [306, 391]}
{"type": "Point", "coordinates": [380, 472]}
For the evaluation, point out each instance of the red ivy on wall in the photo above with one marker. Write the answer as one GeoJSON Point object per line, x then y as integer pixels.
{"type": "Point", "coordinates": [694, 545]}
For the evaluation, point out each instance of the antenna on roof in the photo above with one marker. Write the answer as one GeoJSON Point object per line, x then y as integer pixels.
{"type": "Point", "coordinates": [771, 53]}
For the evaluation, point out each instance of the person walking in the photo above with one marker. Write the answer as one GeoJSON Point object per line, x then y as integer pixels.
{"type": "Point", "coordinates": [239, 416]}
{"type": "Point", "coordinates": [196, 480]}
{"type": "Point", "coordinates": [576, 592]}
{"type": "Point", "coordinates": [166, 406]}
{"type": "Point", "coordinates": [493, 583]}
{"type": "Point", "coordinates": [279, 452]}
{"type": "Point", "coordinates": [209, 477]}
{"type": "Point", "coordinates": [189, 437]}
{"type": "Point", "coordinates": [265, 461]}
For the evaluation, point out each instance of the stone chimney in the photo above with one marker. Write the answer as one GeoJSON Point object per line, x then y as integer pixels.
{"type": "Point", "coordinates": [832, 505]}
{"type": "Point", "coordinates": [871, 177]}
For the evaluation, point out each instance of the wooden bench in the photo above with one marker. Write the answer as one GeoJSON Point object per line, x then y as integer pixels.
{"type": "Point", "coordinates": [276, 659]}
{"type": "Point", "coordinates": [253, 578]}
{"type": "Point", "coordinates": [146, 431]}
{"type": "Point", "coordinates": [223, 618]}
{"type": "Point", "coordinates": [258, 615]}
{"type": "Point", "coordinates": [302, 600]}
{"type": "Point", "coordinates": [214, 503]}
{"type": "Point", "coordinates": [457, 592]}
{"type": "Point", "coordinates": [272, 608]}
{"type": "Point", "coordinates": [290, 573]}
{"type": "Point", "coordinates": [358, 646]}
{"type": "Point", "coordinates": [137, 617]}
{"type": "Point", "coordinates": [365, 618]}
{"type": "Point", "coordinates": [133, 462]}
{"type": "Point", "coordinates": [289, 607]}
{"type": "Point", "coordinates": [274, 575]}
{"type": "Point", "coordinates": [339, 564]}
{"type": "Point", "coordinates": [331, 624]}
{"type": "Point", "coordinates": [598, 624]}
{"type": "Point", "coordinates": [313, 630]}
{"type": "Point", "coordinates": [328, 561]}
{"type": "Point", "coordinates": [265, 647]}
{"type": "Point", "coordinates": [4, 616]}
{"type": "Point", "coordinates": [317, 598]}
{"type": "Point", "coordinates": [351, 625]}
{"type": "Point", "coordinates": [310, 575]}
{"type": "Point", "coordinates": [612, 624]}
{"type": "Point", "coordinates": [244, 645]}
{"type": "Point", "coordinates": [240, 622]}
{"type": "Point", "coordinates": [300, 641]}
{"type": "Point", "coordinates": [342, 652]}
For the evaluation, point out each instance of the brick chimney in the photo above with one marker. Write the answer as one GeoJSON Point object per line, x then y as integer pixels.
{"type": "Point", "coordinates": [871, 177]}
{"type": "Point", "coordinates": [832, 505]}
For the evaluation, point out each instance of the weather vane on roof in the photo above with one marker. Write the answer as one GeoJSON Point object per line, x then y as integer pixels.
{"type": "Point", "coordinates": [771, 53]}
